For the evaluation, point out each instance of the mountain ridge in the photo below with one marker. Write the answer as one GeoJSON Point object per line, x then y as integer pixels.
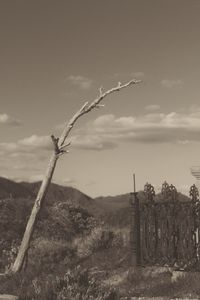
{"type": "Point", "coordinates": [12, 189]}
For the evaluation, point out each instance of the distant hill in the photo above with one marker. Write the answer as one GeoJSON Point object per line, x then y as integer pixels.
{"type": "Point", "coordinates": [116, 209]}
{"type": "Point", "coordinates": [121, 201]}
{"type": "Point", "coordinates": [16, 202]}
{"type": "Point", "coordinates": [112, 210]}
{"type": "Point", "coordinates": [26, 190]}
{"type": "Point", "coordinates": [11, 189]}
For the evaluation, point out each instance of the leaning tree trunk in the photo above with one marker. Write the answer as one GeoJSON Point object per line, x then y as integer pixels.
{"type": "Point", "coordinates": [59, 149]}
{"type": "Point", "coordinates": [32, 220]}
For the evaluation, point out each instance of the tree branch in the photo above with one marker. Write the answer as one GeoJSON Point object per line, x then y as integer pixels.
{"type": "Point", "coordinates": [88, 107]}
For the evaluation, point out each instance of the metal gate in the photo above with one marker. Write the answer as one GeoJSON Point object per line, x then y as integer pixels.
{"type": "Point", "coordinates": [166, 228]}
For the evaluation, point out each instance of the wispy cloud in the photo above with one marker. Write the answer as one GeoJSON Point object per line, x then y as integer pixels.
{"type": "Point", "coordinates": [137, 74]}
{"type": "Point", "coordinates": [36, 142]}
{"type": "Point", "coordinates": [79, 81]}
{"type": "Point", "coordinates": [168, 83]}
{"type": "Point", "coordinates": [152, 107]}
{"type": "Point", "coordinates": [27, 145]}
{"type": "Point", "coordinates": [24, 177]}
{"type": "Point", "coordinates": [35, 178]}
{"type": "Point", "coordinates": [5, 119]}
{"type": "Point", "coordinates": [130, 75]}
{"type": "Point", "coordinates": [92, 142]}
{"type": "Point", "coordinates": [65, 181]}
{"type": "Point", "coordinates": [21, 159]}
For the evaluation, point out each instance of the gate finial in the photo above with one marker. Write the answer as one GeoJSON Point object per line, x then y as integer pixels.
{"type": "Point", "coordinates": [169, 191]}
{"type": "Point", "coordinates": [194, 193]}
{"type": "Point", "coordinates": [149, 192]}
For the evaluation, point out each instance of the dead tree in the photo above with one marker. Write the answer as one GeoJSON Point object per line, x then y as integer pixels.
{"type": "Point", "coordinates": [60, 147]}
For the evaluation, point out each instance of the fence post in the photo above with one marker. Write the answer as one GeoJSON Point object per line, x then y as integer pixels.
{"type": "Point", "coordinates": [135, 254]}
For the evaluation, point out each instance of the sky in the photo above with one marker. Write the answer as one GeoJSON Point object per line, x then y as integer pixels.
{"type": "Point", "coordinates": [56, 54]}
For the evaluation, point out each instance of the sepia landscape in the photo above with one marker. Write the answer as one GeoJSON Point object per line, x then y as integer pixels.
{"type": "Point", "coordinates": [99, 150]}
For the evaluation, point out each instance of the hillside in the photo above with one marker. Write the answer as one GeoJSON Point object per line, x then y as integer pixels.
{"type": "Point", "coordinates": [11, 189]}
{"type": "Point", "coordinates": [67, 213]}
{"type": "Point", "coordinates": [113, 210]}
{"type": "Point", "coordinates": [70, 243]}
{"type": "Point", "coordinates": [67, 233]}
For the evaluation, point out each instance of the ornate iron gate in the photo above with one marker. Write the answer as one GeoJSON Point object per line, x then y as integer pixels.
{"type": "Point", "coordinates": [169, 228]}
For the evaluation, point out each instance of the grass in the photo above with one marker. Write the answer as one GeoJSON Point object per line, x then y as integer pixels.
{"type": "Point", "coordinates": [95, 264]}
{"type": "Point", "coordinates": [102, 272]}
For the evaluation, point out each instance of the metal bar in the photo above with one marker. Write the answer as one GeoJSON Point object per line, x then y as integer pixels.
{"type": "Point", "coordinates": [135, 228]}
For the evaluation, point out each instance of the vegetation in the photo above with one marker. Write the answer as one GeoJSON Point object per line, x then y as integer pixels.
{"type": "Point", "coordinates": [77, 251]}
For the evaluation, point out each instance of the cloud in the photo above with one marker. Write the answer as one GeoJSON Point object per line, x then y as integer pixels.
{"type": "Point", "coordinates": [36, 178]}
{"type": "Point", "coordinates": [152, 107]}
{"type": "Point", "coordinates": [36, 142]}
{"type": "Point", "coordinates": [167, 83]}
{"type": "Point", "coordinates": [27, 145]}
{"type": "Point", "coordinates": [81, 82]}
{"type": "Point", "coordinates": [20, 160]}
{"type": "Point", "coordinates": [24, 167]}
{"type": "Point", "coordinates": [91, 183]}
{"type": "Point", "coordinates": [107, 131]}
{"type": "Point", "coordinates": [65, 181]}
{"type": "Point", "coordinates": [92, 142]}
{"type": "Point", "coordinates": [5, 119]}
{"type": "Point", "coordinates": [137, 74]}
{"type": "Point", "coordinates": [20, 178]}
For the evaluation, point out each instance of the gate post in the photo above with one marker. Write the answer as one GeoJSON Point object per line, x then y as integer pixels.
{"type": "Point", "coordinates": [135, 249]}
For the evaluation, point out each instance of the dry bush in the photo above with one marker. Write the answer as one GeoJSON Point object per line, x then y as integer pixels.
{"type": "Point", "coordinates": [79, 285]}
{"type": "Point", "coordinates": [76, 284]}
{"type": "Point", "coordinates": [98, 239]}
{"type": "Point", "coordinates": [48, 255]}
{"type": "Point", "coordinates": [121, 237]}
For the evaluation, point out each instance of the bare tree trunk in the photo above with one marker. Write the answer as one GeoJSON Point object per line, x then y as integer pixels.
{"type": "Point", "coordinates": [32, 220]}
{"type": "Point", "coordinates": [59, 149]}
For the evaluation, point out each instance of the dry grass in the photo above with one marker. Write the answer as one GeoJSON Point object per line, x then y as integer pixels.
{"type": "Point", "coordinates": [158, 283]}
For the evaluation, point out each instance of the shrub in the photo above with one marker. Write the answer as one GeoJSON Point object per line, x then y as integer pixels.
{"type": "Point", "coordinates": [79, 285]}
{"type": "Point", "coordinates": [49, 255]}
{"type": "Point", "coordinates": [121, 237]}
{"type": "Point", "coordinates": [76, 284]}
{"type": "Point", "coordinates": [64, 221]}
{"type": "Point", "coordinates": [8, 257]}
{"type": "Point", "coordinates": [98, 239]}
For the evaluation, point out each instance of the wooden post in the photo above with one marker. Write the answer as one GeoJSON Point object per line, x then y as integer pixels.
{"type": "Point", "coordinates": [135, 228]}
